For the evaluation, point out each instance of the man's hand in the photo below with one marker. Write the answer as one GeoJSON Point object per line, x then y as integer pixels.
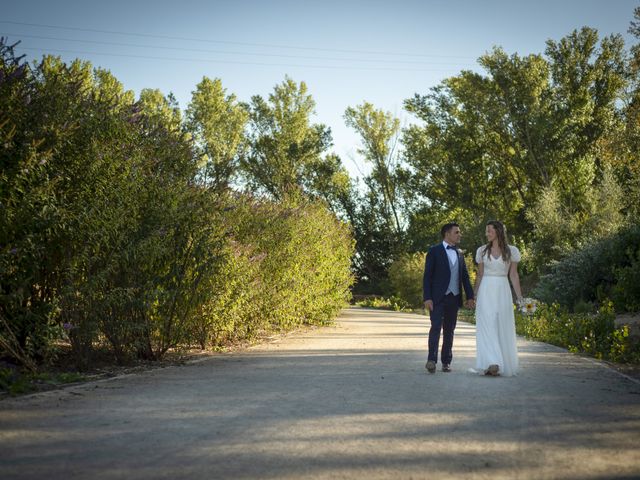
{"type": "Point", "coordinates": [471, 303]}
{"type": "Point", "coordinates": [428, 305]}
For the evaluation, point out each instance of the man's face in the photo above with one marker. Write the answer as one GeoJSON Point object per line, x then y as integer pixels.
{"type": "Point", "coordinates": [453, 236]}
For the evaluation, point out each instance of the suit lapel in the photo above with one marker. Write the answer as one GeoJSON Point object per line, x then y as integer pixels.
{"type": "Point", "coordinates": [446, 255]}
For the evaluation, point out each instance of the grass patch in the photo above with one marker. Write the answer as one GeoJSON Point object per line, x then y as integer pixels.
{"type": "Point", "coordinates": [14, 381]}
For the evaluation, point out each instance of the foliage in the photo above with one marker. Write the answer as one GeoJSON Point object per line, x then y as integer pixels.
{"type": "Point", "coordinates": [593, 334]}
{"type": "Point", "coordinates": [378, 132]}
{"type": "Point", "coordinates": [558, 230]}
{"type": "Point", "coordinates": [284, 148]}
{"type": "Point", "coordinates": [328, 180]}
{"type": "Point", "coordinates": [64, 191]}
{"type": "Point", "coordinates": [111, 232]}
{"type": "Point", "coordinates": [217, 122]}
{"type": "Point", "coordinates": [626, 291]}
{"type": "Point", "coordinates": [604, 269]}
{"type": "Point", "coordinates": [377, 217]}
{"type": "Point", "coordinates": [286, 265]}
{"type": "Point", "coordinates": [376, 244]}
{"type": "Point", "coordinates": [392, 303]}
{"type": "Point", "coordinates": [16, 383]}
{"type": "Point", "coordinates": [405, 275]}
{"type": "Point", "coordinates": [533, 127]}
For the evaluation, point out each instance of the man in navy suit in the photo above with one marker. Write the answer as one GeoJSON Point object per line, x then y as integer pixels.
{"type": "Point", "coordinates": [445, 274]}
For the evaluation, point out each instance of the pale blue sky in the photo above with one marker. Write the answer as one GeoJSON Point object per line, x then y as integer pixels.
{"type": "Point", "coordinates": [346, 51]}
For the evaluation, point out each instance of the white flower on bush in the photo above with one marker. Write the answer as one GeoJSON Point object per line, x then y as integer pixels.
{"type": "Point", "coordinates": [528, 306]}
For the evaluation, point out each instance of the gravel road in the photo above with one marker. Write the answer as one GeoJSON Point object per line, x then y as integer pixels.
{"type": "Point", "coordinates": [349, 401]}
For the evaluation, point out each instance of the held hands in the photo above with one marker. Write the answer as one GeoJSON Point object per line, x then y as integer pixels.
{"type": "Point", "coordinates": [428, 304]}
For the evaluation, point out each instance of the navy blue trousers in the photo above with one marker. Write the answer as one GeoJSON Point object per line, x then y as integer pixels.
{"type": "Point", "coordinates": [443, 317]}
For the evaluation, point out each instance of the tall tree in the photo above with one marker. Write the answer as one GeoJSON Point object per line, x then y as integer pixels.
{"type": "Point", "coordinates": [490, 144]}
{"type": "Point", "coordinates": [377, 217]}
{"type": "Point", "coordinates": [588, 80]}
{"type": "Point", "coordinates": [378, 132]}
{"type": "Point", "coordinates": [624, 148]}
{"type": "Point", "coordinates": [327, 179]}
{"type": "Point", "coordinates": [217, 121]}
{"type": "Point", "coordinates": [284, 147]}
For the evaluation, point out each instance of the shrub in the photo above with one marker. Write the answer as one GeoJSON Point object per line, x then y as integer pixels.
{"type": "Point", "coordinates": [304, 260]}
{"type": "Point", "coordinates": [626, 291]}
{"type": "Point", "coordinates": [107, 237]}
{"type": "Point", "coordinates": [405, 275]}
{"type": "Point", "coordinates": [593, 334]}
{"type": "Point", "coordinates": [392, 303]}
{"type": "Point", "coordinates": [601, 270]}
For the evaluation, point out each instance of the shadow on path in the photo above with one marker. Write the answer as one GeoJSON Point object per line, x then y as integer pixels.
{"type": "Point", "coordinates": [351, 401]}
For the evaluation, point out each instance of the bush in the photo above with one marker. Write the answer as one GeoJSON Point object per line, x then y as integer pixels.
{"type": "Point", "coordinates": [405, 275]}
{"type": "Point", "coordinates": [304, 256]}
{"type": "Point", "coordinates": [561, 226]}
{"type": "Point", "coordinates": [601, 270]}
{"type": "Point", "coordinates": [285, 265]}
{"type": "Point", "coordinates": [593, 334]}
{"type": "Point", "coordinates": [108, 237]}
{"type": "Point", "coordinates": [392, 303]}
{"type": "Point", "coordinates": [626, 291]}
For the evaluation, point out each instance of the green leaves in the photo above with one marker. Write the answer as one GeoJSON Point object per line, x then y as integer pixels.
{"type": "Point", "coordinates": [378, 217]}
{"type": "Point", "coordinates": [217, 121]}
{"type": "Point", "coordinates": [600, 270]}
{"type": "Point", "coordinates": [493, 144]}
{"type": "Point", "coordinates": [284, 147]}
{"type": "Point", "coordinates": [592, 333]}
{"type": "Point", "coordinates": [376, 129]}
{"type": "Point", "coordinates": [112, 226]}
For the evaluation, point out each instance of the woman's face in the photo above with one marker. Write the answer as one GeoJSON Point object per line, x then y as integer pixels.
{"type": "Point", "coordinates": [490, 232]}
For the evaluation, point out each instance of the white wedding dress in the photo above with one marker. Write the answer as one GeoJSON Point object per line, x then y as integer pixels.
{"type": "Point", "coordinates": [495, 322]}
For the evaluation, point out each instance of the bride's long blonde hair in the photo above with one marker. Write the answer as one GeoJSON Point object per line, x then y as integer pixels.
{"type": "Point", "coordinates": [501, 234]}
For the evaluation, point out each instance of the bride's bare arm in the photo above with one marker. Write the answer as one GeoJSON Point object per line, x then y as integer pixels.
{"type": "Point", "coordinates": [515, 279]}
{"type": "Point", "coordinates": [478, 279]}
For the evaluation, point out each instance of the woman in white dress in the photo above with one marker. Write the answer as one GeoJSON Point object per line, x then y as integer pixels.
{"type": "Point", "coordinates": [496, 351]}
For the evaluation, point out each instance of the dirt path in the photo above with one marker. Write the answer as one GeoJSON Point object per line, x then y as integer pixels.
{"type": "Point", "coordinates": [351, 401]}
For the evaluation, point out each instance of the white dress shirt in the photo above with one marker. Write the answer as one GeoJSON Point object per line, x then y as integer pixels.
{"type": "Point", "coordinates": [452, 254]}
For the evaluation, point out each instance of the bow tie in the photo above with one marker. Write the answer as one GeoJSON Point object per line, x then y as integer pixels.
{"type": "Point", "coordinates": [449, 247]}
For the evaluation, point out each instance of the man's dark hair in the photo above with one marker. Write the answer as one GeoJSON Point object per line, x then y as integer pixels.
{"type": "Point", "coordinates": [445, 228]}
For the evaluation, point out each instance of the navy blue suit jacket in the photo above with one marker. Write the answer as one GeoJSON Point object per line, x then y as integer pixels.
{"type": "Point", "coordinates": [437, 275]}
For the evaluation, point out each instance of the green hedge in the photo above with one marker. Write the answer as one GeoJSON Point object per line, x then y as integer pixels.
{"type": "Point", "coordinates": [286, 265]}
{"type": "Point", "coordinates": [108, 239]}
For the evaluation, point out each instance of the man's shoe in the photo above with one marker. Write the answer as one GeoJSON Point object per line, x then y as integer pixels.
{"type": "Point", "coordinates": [493, 370]}
{"type": "Point", "coordinates": [446, 367]}
{"type": "Point", "coordinates": [431, 366]}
